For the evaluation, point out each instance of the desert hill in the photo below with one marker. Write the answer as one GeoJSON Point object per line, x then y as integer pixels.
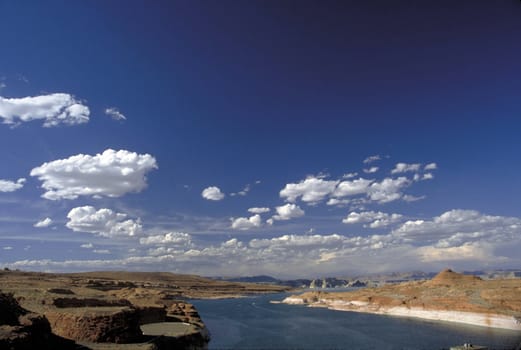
{"type": "Point", "coordinates": [447, 296]}
{"type": "Point", "coordinates": [449, 277]}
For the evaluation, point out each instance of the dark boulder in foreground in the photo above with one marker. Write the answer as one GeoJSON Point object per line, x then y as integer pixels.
{"type": "Point", "coordinates": [21, 329]}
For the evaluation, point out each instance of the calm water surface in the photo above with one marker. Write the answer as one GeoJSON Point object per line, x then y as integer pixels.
{"type": "Point", "coordinates": [255, 323]}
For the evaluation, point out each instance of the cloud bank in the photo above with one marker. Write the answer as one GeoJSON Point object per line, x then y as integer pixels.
{"type": "Point", "coordinates": [460, 238]}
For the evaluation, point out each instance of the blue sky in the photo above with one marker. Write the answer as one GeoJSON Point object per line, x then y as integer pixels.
{"type": "Point", "coordinates": [293, 138]}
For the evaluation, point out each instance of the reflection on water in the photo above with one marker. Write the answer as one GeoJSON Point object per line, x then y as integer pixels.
{"type": "Point", "coordinates": [255, 323]}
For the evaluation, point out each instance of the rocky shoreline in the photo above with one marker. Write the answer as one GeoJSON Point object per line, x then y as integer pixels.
{"type": "Point", "coordinates": [449, 297]}
{"type": "Point", "coordinates": [108, 310]}
{"type": "Point", "coordinates": [471, 318]}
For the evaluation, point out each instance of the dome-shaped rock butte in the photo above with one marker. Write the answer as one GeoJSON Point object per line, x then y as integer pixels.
{"type": "Point", "coordinates": [449, 277]}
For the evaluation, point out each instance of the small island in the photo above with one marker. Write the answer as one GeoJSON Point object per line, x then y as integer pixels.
{"type": "Point", "coordinates": [449, 296]}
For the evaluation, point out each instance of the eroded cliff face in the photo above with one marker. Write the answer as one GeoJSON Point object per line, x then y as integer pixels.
{"type": "Point", "coordinates": [449, 296]}
{"type": "Point", "coordinates": [99, 325]}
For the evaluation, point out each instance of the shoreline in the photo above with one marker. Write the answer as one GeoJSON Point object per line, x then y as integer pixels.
{"type": "Point", "coordinates": [463, 317]}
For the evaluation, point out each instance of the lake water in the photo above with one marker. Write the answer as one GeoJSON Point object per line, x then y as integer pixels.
{"type": "Point", "coordinates": [255, 323]}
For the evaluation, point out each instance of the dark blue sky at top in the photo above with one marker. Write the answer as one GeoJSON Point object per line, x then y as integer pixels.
{"type": "Point", "coordinates": [229, 92]}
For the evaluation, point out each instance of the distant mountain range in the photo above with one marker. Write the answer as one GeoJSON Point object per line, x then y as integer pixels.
{"type": "Point", "coordinates": [365, 280]}
{"type": "Point", "coordinates": [254, 279]}
{"type": "Point", "coordinates": [328, 282]}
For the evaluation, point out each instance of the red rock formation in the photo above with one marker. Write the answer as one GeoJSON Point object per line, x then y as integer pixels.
{"type": "Point", "coordinates": [449, 277]}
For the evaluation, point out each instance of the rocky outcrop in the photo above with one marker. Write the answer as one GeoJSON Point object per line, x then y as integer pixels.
{"type": "Point", "coordinates": [184, 312]}
{"type": "Point", "coordinates": [99, 325]}
{"type": "Point", "coordinates": [172, 335]}
{"type": "Point", "coordinates": [10, 310]}
{"type": "Point", "coordinates": [151, 314]}
{"type": "Point", "coordinates": [21, 329]}
{"type": "Point", "coordinates": [105, 323]}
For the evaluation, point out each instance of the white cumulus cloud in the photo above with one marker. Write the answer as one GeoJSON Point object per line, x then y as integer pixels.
{"type": "Point", "coordinates": [388, 189]}
{"type": "Point", "coordinates": [352, 187]}
{"type": "Point", "coordinates": [375, 219]}
{"type": "Point", "coordinates": [257, 210]}
{"type": "Point", "coordinates": [338, 202]}
{"type": "Point", "coordinates": [371, 170]}
{"type": "Point", "coordinates": [311, 190]}
{"type": "Point", "coordinates": [246, 223]}
{"type": "Point", "coordinates": [115, 114]}
{"type": "Point", "coordinates": [11, 186]}
{"type": "Point", "coordinates": [111, 174]}
{"type": "Point", "coordinates": [410, 198]}
{"type": "Point", "coordinates": [53, 109]}
{"type": "Point", "coordinates": [104, 222]}
{"type": "Point", "coordinates": [371, 159]}
{"type": "Point", "coordinates": [349, 175]}
{"type": "Point", "coordinates": [431, 166]}
{"type": "Point", "coordinates": [287, 212]}
{"type": "Point", "coordinates": [44, 223]}
{"type": "Point", "coordinates": [428, 176]}
{"type": "Point", "coordinates": [170, 238]}
{"type": "Point", "coordinates": [212, 193]}
{"type": "Point", "coordinates": [242, 192]}
{"type": "Point", "coordinates": [404, 167]}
